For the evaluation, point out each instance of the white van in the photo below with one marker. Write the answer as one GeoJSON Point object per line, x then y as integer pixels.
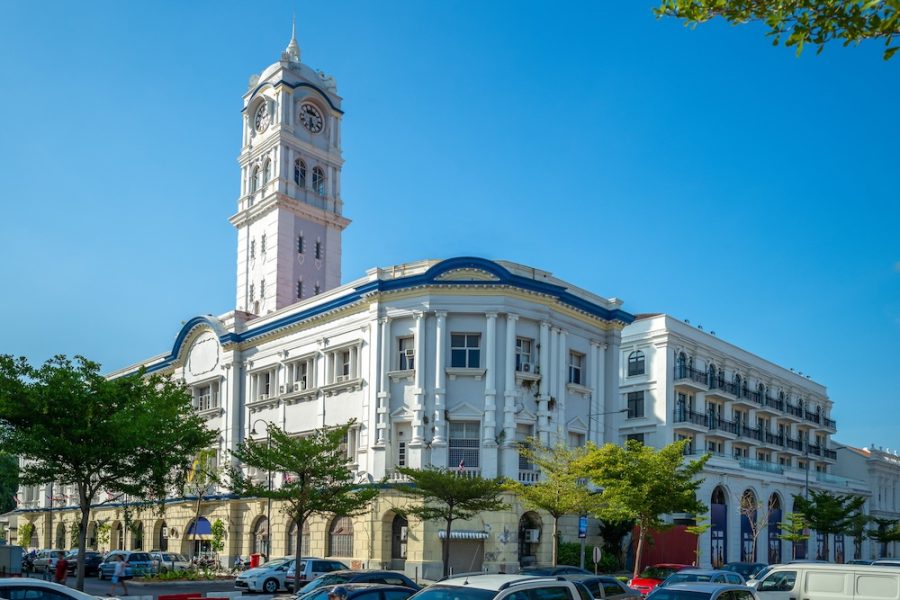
{"type": "Point", "coordinates": [819, 581]}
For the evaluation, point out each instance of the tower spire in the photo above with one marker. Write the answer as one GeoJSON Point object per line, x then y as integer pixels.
{"type": "Point", "coordinates": [292, 52]}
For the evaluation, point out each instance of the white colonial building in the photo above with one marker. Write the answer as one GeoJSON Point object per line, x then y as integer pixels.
{"type": "Point", "coordinates": [440, 363]}
{"type": "Point", "coordinates": [768, 429]}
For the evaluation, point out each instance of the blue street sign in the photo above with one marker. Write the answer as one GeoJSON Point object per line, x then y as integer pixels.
{"type": "Point", "coordinates": [582, 527]}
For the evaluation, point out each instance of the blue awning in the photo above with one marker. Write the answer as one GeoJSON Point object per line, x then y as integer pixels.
{"type": "Point", "coordinates": [199, 527]}
{"type": "Point", "coordinates": [463, 534]}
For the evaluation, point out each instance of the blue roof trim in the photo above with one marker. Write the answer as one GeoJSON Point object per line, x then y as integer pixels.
{"type": "Point", "coordinates": [294, 86]}
{"type": "Point", "coordinates": [428, 278]}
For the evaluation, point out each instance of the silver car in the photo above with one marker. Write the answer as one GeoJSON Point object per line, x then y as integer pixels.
{"type": "Point", "coordinates": [268, 577]}
{"type": "Point", "coordinates": [604, 587]}
{"type": "Point", "coordinates": [171, 561]}
{"type": "Point", "coordinates": [703, 591]}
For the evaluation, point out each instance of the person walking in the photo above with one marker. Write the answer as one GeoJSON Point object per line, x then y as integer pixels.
{"type": "Point", "coordinates": [119, 576]}
{"type": "Point", "coordinates": [62, 569]}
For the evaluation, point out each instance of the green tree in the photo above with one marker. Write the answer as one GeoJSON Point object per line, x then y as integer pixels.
{"type": "Point", "coordinates": [642, 483]}
{"type": "Point", "coordinates": [884, 532]}
{"type": "Point", "coordinates": [217, 544]}
{"type": "Point", "coordinates": [800, 22]}
{"type": "Point", "coordinates": [316, 478]}
{"type": "Point", "coordinates": [131, 435]}
{"type": "Point", "coordinates": [447, 496]}
{"type": "Point", "coordinates": [561, 490]}
{"type": "Point", "coordinates": [857, 528]}
{"type": "Point", "coordinates": [9, 481]}
{"type": "Point", "coordinates": [202, 479]}
{"type": "Point", "coordinates": [828, 513]}
{"type": "Point", "coordinates": [613, 532]}
{"type": "Point", "coordinates": [24, 533]}
{"type": "Point", "coordinates": [793, 529]}
{"type": "Point", "coordinates": [701, 525]}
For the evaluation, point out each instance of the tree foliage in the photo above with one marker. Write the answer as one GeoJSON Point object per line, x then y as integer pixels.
{"type": "Point", "coordinates": [857, 529]}
{"type": "Point", "coordinates": [447, 496]}
{"type": "Point", "coordinates": [701, 525]}
{"type": "Point", "coordinates": [72, 426]}
{"type": "Point", "coordinates": [801, 22]}
{"type": "Point", "coordinates": [885, 531]}
{"type": "Point", "coordinates": [613, 532]}
{"type": "Point", "coordinates": [316, 479]}
{"type": "Point", "coordinates": [9, 481]}
{"type": "Point", "coordinates": [793, 529]}
{"type": "Point", "coordinates": [757, 515]}
{"type": "Point", "coordinates": [561, 490]}
{"type": "Point", "coordinates": [642, 483]}
{"type": "Point", "coordinates": [828, 513]}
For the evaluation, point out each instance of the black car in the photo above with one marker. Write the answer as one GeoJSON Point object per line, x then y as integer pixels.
{"type": "Point", "coordinates": [363, 591]}
{"type": "Point", "coordinates": [747, 570]}
{"type": "Point", "coordinates": [558, 570]}
{"type": "Point", "coordinates": [374, 576]}
{"type": "Point", "coordinates": [92, 562]}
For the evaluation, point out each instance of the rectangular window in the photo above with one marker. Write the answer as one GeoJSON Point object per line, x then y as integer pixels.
{"type": "Point", "coordinates": [401, 454]}
{"type": "Point", "coordinates": [406, 359]}
{"type": "Point", "coordinates": [689, 447]}
{"type": "Point", "coordinates": [576, 368]}
{"type": "Point", "coordinates": [299, 244]}
{"type": "Point", "coordinates": [262, 385]}
{"type": "Point", "coordinates": [464, 444]}
{"type": "Point", "coordinates": [635, 405]}
{"type": "Point", "coordinates": [636, 363]}
{"type": "Point", "coordinates": [465, 350]}
{"type": "Point", "coordinates": [206, 397]}
{"type": "Point", "coordinates": [318, 250]}
{"type": "Point", "coordinates": [262, 288]}
{"type": "Point", "coordinates": [252, 249]}
{"type": "Point", "coordinates": [262, 244]}
{"type": "Point", "coordinates": [714, 446]}
{"type": "Point", "coordinates": [784, 461]}
{"type": "Point", "coordinates": [576, 440]}
{"type": "Point", "coordinates": [251, 293]}
{"type": "Point", "coordinates": [637, 437]}
{"type": "Point", "coordinates": [524, 358]}
{"type": "Point", "coordinates": [344, 364]}
{"type": "Point", "coordinates": [299, 375]}
{"type": "Point", "coordinates": [299, 290]}
{"type": "Point", "coordinates": [523, 432]}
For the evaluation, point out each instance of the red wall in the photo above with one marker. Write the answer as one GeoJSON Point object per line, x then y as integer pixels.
{"type": "Point", "coordinates": [674, 545]}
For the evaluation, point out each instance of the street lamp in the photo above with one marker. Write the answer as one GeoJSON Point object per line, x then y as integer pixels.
{"type": "Point", "coordinates": [268, 483]}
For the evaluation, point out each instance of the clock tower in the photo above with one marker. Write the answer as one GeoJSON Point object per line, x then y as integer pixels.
{"type": "Point", "coordinates": [289, 218]}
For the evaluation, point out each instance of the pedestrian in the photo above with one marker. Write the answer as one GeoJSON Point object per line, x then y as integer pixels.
{"type": "Point", "coordinates": [62, 569]}
{"type": "Point", "coordinates": [119, 576]}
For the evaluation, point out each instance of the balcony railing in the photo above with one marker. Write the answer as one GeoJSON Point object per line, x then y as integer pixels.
{"type": "Point", "coordinates": [830, 423]}
{"type": "Point", "coordinates": [813, 417]}
{"type": "Point", "coordinates": [760, 465]}
{"type": "Point", "coordinates": [750, 432]}
{"type": "Point", "coordinates": [683, 415]}
{"type": "Point", "coordinates": [773, 438]}
{"type": "Point", "coordinates": [757, 397]}
{"type": "Point", "coordinates": [774, 403]}
{"type": "Point", "coordinates": [832, 454]}
{"type": "Point", "coordinates": [701, 377]}
{"type": "Point", "coordinates": [528, 476]}
{"type": "Point", "coordinates": [790, 409]}
{"type": "Point", "coordinates": [814, 449]}
{"type": "Point", "coordinates": [722, 425]}
{"type": "Point", "coordinates": [793, 443]}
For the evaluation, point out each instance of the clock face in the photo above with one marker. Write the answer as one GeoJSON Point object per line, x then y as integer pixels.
{"type": "Point", "coordinates": [261, 121]}
{"type": "Point", "coordinates": [311, 118]}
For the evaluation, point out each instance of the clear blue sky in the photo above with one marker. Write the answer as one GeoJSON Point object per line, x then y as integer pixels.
{"type": "Point", "coordinates": [703, 173]}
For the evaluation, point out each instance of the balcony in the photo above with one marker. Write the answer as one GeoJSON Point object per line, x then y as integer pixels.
{"type": "Point", "coordinates": [528, 476]}
{"type": "Point", "coordinates": [749, 399]}
{"type": "Point", "coordinates": [812, 417]}
{"type": "Point", "coordinates": [830, 454]}
{"type": "Point", "coordinates": [773, 438]}
{"type": "Point", "coordinates": [814, 449]}
{"type": "Point", "coordinates": [794, 411]}
{"type": "Point", "coordinates": [750, 432]}
{"type": "Point", "coordinates": [770, 404]}
{"type": "Point", "coordinates": [689, 418]}
{"type": "Point", "coordinates": [723, 390]}
{"type": "Point", "coordinates": [794, 443]}
{"type": "Point", "coordinates": [830, 424]}
{"type": "Point", "coordinates": [691, 378]}
{"type": "Point", "coordinates": [760, 465]}
{"type": "Point", "coordinates": [722, 425]}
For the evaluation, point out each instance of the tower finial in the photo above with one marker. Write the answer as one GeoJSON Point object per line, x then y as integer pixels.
{"type": "Point", "coordinates": [292, 52]}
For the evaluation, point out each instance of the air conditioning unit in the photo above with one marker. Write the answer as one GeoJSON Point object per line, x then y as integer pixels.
{"type": "Point", "coordinates": [526, 367]}
{"type": "Point", "coordinates": [263, 396]}
{"type": "Point", "coordinates": [165, 533]}
{"type": "Point", "coordinates": [299, 385]}
{"type": "Point", "coordinates": [532, 536]}
{"type": "Point", "coordinates": [341, 378]}
{"type": "Point", "coordinates": [404, 534]}
{"type": "Point", "coordinates": [280, 389]}
{"type": "Point", "coordinates": [409, 353]}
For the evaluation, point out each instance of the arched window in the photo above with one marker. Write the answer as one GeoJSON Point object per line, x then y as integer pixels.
{"type": "Point", "coordinates": [300, 173]}
{"type": "Point", "coordinates": [636, 363]}
{"type": "Point", "coordinates": [259, 544]}
{"type": "Point", "coordinates": [340, 537]}
{"type": "Point", "coordinates": [318, 181]}
{"type": "Point", "coordinates": [292, 540]}
{"type": "Point", "coordinates": [681, 366]}
{"type": "Point", "coordinates": [712, 376]}
{"type": "Point", "coordinates": [737, 384]}
{"type": "Point", "coordinates": [137, 536]}
{"type": "Point", "coordinates": [267, 172]}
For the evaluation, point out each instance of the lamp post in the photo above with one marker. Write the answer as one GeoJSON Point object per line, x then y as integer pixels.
{"type": "Point", "coordinates": [268, 484]}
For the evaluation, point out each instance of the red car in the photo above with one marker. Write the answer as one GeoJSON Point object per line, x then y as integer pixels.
{"type": "Point", "coordinates": [653, 576]}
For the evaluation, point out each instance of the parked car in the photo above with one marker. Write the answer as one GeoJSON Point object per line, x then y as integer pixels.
{"type": "Point", "coordinates": [350, 576]}
{"type": "Point", "coordinates": [364, 591]}
{"type": "Point", "coordinates": [604, 587]}
{"type": "Point", "coordinates": [860, 561]}
{"type": "Point", "coordinates": [746, 569]}
{"type": "Point", "coordinates": [92, 561]}
{"type": "Point", "coordinates": [652, 576]}
{"type": "Point", "coordinates": [139, 564]}
{"type": "Point", "coordinates": [703, 591]}
{"type": "Point", "coordinates": [547, 571]}
{"type": "Point", "coordinates": [312, 567]}
{"type": "Point", "coordinates": [27, 588]}
{"type": "Point", "coordinates": [703, 576]}
{"type": "Point", "coordinates": [820, 581]}
{"type": "Point", "coordinates": [45, 560]}
{"type": "Point", "coordinates": [170, 561]}
{"type": "Point", "coordinates": [886, 562]}
{"type": "Point", "coordinates": [500, 587]}
{"type": "Point", "coordinates": [268, 577]}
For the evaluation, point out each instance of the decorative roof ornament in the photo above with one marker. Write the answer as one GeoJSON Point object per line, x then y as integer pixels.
{"type": "Point", "coordinates": [292, 52]}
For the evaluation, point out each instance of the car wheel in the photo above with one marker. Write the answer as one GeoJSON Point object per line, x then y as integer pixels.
{"type": "Point", "coordinates": [270, 586]}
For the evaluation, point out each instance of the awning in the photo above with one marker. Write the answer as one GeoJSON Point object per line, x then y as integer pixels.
{"type": "Point", "coordinates": [463, 534]}
{"type": "Point", "coordinates": [198, 528]}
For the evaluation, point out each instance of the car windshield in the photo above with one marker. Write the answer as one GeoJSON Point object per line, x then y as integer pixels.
{"type": "Point", "coordinates": [172, 557]}
{"type": "Point", "coordinates": [683, 577]}
{"type": "Point", "coordinates": [452, 592]}
{"type": "Point", "coordinates": [276, 562]}
{"type": "Point", "coordinates": [657, 572]}
{"type": "Point", "coordinates": [324, 580]}
{"type": "Point", "coordinates": [139, 557]}
{"type": "Point", "coordinates": [669, 594]}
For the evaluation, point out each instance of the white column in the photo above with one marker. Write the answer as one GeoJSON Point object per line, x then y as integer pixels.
{"type": "Point", "coordinates": [490, 386]}
{"type": "Point", "coordinates": [383, 389]}
{"type": "Point", "coordinates": [321, 370]}
{"type": "Point", "coordinates": [562, 392]}
{"type": "Point", "coordinates": [594, 410]}
{"type": "Point", "coordinates": [440, 333]}
{"type": "Point", "coordinates": [419, 390]}
{"type": "Point", "coordinates": [510, 458]}
{"type": "Point", "coordinates": [544, 387]}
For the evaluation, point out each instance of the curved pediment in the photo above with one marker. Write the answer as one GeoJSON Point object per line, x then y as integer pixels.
{"type": "Point", "coordinates": [467, 274]}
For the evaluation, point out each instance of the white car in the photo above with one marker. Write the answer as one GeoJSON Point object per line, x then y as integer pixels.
{"type": "Point", "coordinates": [23, 588]}
{"type": "Point", "coordinates": [171, 561]}
{"type": "Point", "coordinates": [268, 577]}
{"type": "Point", "coordinates": [46, 560]}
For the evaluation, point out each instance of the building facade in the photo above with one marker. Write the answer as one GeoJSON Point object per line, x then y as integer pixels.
{"type": "Point", "coordinates": [438, 363]}
{"type": "Point", "coordinates": [767, 428]}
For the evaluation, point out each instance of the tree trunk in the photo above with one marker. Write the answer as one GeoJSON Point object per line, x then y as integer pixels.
{"type": "Point", "coordinates": [82, 537]}
{"type": "Point", "coordinates": [638, 555]}
{"type": "Point", "coordinates": [554, 555]}
{"type": "Point", "coordinates": [298, 552]}
{"type": "Point", "coordinates": [445, 550]}
{"type": "Point", "coordinates": [825, 551]}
